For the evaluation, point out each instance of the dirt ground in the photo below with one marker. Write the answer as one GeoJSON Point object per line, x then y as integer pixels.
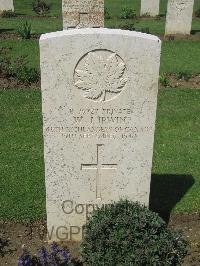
{"type": "Point", "coordinates": [174, 82]}
{"type": "Point", "coordinates": [14, 235]}
{"type": "Point", "coordinates": [193, 82]}
{"type": "Point", "coordinates": [12, 83]}
{"type": "Point", "coordinates": [16, 36]}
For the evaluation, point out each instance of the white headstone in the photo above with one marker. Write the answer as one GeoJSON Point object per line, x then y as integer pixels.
{"type": "Point", "coordinates": [150, 7]}
{"type": "Point", "coordinates": [99, 97]}
{"type": "Point", "coordinates": [179, 17]}
{"type": "Point", "coordinates": [6, 5]}
{"type": "Point", "coordinates": [83, 14]}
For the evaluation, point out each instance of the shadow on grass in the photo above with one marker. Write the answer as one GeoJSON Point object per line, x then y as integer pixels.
{"type": "Point", "coordinates": [4, 247]}
{"type": "Point", "coordinates": [5, 30]}
{"type": "Point", "coordinates": [3, 244]}
{"type": "Point", "coordinates": [166, 191]}
{"type": "Point", "coordinates": [193, 32]}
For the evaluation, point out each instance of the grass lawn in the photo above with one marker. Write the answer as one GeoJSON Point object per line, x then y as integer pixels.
{"type": "Point", "coordinates": [177, 149]}
{"type": "Point", "coordinates": [22, 169]}
{"type": "Point", "coordinates": [177, 56]}
{"type": "Point", "coordinates": [53, 21]}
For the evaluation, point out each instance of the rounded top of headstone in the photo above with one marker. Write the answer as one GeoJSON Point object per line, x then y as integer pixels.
{"type": "Point", "coordinates": [99, 31]}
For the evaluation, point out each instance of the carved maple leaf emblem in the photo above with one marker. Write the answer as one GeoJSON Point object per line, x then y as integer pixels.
{"type": "Point", "coordinates": [101, 76]}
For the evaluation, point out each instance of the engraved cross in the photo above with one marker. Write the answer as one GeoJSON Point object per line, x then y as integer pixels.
{"type": "Point", "coordinates": [98, 167]}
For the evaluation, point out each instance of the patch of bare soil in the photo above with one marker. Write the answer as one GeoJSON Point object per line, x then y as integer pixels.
{"type": "Point", "coordinates": [37, 17]}
{"type": "Point", "coordinates": [16, 36]}
{"type": "Point", "coordinates": [32, 236]}
{"type": "Point", "coordinates": [192, 83]}
{"type": "Point", "coordinates": [14, 235]}
{"type": "Point", "coordinates": [190, 226]}
{"type": "Point", "coordinates": [12, 83]}
{"type": "Point", "coordinates": [143, 17]}
{"type": "Point", "coordinates": [192, 37]}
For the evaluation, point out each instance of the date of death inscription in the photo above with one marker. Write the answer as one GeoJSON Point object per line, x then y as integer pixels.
{"type": "Point", "coordinates": [99, 124]}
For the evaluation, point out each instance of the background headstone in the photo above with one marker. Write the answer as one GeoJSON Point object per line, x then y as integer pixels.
{"type": "Point", "coordinates": [179, 17]}
{"type": "Point", "coordinates": [99, 91]}
{"type": "Point", "coordinates": [83, 14]}
{"type": "Point", "coordinates": [6, 5]}
{"type": "Point", "coordinates": [150, 7]}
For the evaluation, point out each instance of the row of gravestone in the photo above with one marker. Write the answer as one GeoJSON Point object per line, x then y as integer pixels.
{"type": "Point", "coordinates": [90, 13]}
{"type": "Point", "coordinates": [179, 14]}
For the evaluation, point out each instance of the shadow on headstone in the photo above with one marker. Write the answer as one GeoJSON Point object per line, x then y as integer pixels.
{"type": "Point", "coordinates": [166, 191]}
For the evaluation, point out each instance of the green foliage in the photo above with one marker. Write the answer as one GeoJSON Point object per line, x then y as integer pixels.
{"type": "Point", "coordinates": [5, 64]}
{"type": "Point", "coordinates": [164, 81]}
{"type": "Point", "coordinates": [41, 7]}
{"type": "Point", "coordinates": [127, 13]}
{"type": "Point", "coordinates": [28, 75]}
{"type": "Point", "coordinates": [126, 233]}
{"type": "Point", "coordinates": [17, 69]}
{"type": "Point", "coordinates": [25, 30]}
{"type": "Point", "coordinates": [8, 14]}
{"type": "Point", "coordinates": [128, 26]}
{"type": "Point", "coordinates": [184, 75]}
{"type": "Point", "coordinates": [107, 14]}
{"type": "Point", "coordinates": [197, 13]}
{"type": "Point", "coordinates": [23, 73]}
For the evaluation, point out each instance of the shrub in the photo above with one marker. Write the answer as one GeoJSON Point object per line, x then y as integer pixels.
{"type": "Point", "coordinates": [27, 75]}
{"type": "Point", "coordinates": [126, 233]}
{"type": "Point", "coordinates": [127, 13]}
{"type": "Point", "coordinates": [8, 14]}
{"type": "Point", "coordinates": [56, 256]}
{"type": "Point", "coordinates": [107, 13]}
{"type": "Point", "coordinates": [197, 13]}
{"type": "Point", "coordinates": [128, 26]}
{"type": "Point", "coordinates": [25, 30]}
{"type": "Point", "coordinates": [41, 7]}
{"type": "Point", "coordinates": [164, 81]}
{"type": "Point", "coordinates": [17, 69]}
{"type": "Point", "coordinates": [5, 64]}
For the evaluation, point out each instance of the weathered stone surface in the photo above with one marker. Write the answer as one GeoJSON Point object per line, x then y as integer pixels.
{"type": "Point", "coordinates": [179, 17]}
{"type": "Point", "coordinates": [150, 7]}
{"type": "Point", "coordinates": [6, 5]}
{"type": "Point", "coordinates": [99, 91]}
{"type": "Point", "coordinates": [83, 14]}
